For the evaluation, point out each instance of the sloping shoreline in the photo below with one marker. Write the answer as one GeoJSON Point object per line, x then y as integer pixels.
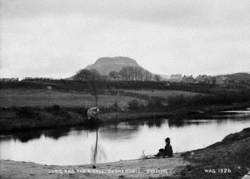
{"type": "Point", "coordinates": [139, 168]}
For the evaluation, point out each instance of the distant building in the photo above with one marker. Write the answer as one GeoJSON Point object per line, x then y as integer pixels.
{"type": "Point", "coordinates": [176, 77]}
{"type": "Point", "coordinates": [188, 79]}
{"type": "Point", "coordinates": [220, 80]}
{"type": "Point", "coordinates": [205, 79]}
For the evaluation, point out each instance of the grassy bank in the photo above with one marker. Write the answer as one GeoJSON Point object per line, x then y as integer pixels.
{"type": "Point", "coordinates": [22, 118]}
{"type": "Point", "coordinates": [22, 109]}
{"type": "Point", "coordinates": [229, 158]}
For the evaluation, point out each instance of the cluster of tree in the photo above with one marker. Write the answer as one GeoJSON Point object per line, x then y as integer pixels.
{"type": "Point", "coordinates": [132, 73]}
{"type": "Point", "coordinates": [93, 80]}
{"type": "Point", "coordinates": [129, 73]}
{"type": "Point", "coordinates": [226, 97]}
{"type": "Point", "coordinates": [40, 79]}
{"type": "Point", "coordinates": [9, 79]}
{"type": "Point", "coordinates": [86, 75]}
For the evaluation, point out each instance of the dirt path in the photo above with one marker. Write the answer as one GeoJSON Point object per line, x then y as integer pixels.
{"type": "Point", "coordinates": [141, 168]}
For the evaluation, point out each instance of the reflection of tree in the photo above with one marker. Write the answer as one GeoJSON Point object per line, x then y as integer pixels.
{"type": "Point", "coordinates": [97, 151]}
{"type": "Point", "coordinates": [119, 132]}
{"type": "Point", "coordinates": [176, 123]}
{"type": "Point", "coordinates": [155, 122]}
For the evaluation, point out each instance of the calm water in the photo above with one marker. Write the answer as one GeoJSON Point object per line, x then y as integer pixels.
{"type": "Point", "coordinates": [118, 142]}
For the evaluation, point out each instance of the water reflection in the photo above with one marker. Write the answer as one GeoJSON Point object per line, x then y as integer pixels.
{"type": "Point", "coordinates": [125, 130]}
{"type": "Point", "coordinates": [22, 136]}
{"type": "Point", "coordinates": [119, 131]}
{"type": "Point", "coordinates": [56, 134]}
{"type": "Point", "coordinates": [113, 142]}
{"type": "Point", "coordinates": [98, 152]}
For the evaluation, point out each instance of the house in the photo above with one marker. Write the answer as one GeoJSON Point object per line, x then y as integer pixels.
{"type": "Point", "coordinates": [205, 79]}
{"type": "Point", "coordinates": [188, 79]}
{"type": "Point", "coordinates": [175, 78]}
{"type": "Point", "coordinates": [220, 80]}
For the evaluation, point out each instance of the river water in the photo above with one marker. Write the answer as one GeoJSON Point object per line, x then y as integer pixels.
{"type": "Point", "coordinates": [118, 142]}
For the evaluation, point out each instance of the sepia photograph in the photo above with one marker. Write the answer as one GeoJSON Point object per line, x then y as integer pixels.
{"type": "Point", "coordinates": [114, 89]}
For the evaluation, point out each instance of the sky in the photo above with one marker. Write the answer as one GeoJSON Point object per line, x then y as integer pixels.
{"type": "Point", "coordinates": [56, 38]}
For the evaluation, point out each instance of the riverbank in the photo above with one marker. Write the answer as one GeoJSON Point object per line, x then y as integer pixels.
{"type": "Point", "coordinates": [141, 168]}
{"type": "Point", "coordinates": [23, 118]}
{"type": "Point", "coordinates": [226, 159]}
{"type": "Point", "coordinates": [229, 158]}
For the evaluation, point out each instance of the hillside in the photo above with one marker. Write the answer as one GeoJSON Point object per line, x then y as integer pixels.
{"type": "Point", "coordinates": [231, 153]}
{"type": "Point", "coordinates": [105, 65]}
{"type": "Point", "coordinates": [237, 76]}
{"type": "Point", "coordinates": [115, 68]}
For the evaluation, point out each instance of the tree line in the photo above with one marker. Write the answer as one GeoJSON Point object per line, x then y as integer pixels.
{"type": "Point", "coordinates": [129, 73]}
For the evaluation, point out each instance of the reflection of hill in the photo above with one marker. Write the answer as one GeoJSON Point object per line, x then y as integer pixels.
{"type": "Point", "coordinates": [56, 133]}
{"type": "Point", "coordinates": [27, 136]}
{"type": "Point", "coordinates": [117, 132]}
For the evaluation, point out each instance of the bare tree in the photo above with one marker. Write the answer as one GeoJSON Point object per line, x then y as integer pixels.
{"type": "Point", "coordinates": [94, 83]}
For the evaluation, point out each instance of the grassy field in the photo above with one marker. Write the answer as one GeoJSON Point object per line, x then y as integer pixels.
{"type": "Point", "coordinates": [23, 108]}
{"type": "Point", "coordinates": [43, 98]}
{"type": "Point", "coordinates": [163, 93]}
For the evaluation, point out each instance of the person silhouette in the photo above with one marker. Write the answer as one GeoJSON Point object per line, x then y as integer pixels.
{"type": "Point", "coordinates": [167, 151]}
{"type": "Point", "coordinates": [168, 148]}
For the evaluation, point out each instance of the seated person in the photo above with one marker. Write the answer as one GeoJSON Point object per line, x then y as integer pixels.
{"type": "Point", "coordinates": [167, 151]}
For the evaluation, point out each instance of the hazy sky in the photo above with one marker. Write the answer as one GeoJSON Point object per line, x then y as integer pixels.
{"type": "Point", "coordinates": [56, 38]}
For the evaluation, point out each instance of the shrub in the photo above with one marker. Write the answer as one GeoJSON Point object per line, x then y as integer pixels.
{"type": "Point", "coordinates": [115, 107]}
{"type": "Point", "coordinates": [26, 112]}
{"type": "Point", "coordinates": [177, 100]}
{"type": "Point", "coordinates": [155, 103]}
{"type": "Point", "coordinates": [54, 108]}
{"type": "Point", "coordinates": [134, 105]}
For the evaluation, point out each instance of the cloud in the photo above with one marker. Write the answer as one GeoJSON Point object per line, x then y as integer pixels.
{"type": "Point", "coordinates": [58, 37]}
{"type": "Point", "coordinates": [182, 12]}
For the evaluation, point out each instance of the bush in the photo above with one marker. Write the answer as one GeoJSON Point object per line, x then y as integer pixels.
{"type": "Point", "coordinates": [115, 107]}
{"type": "Point", "coordinates": [177, 100]}
{"type": "Point", "coordinates": [155, 103]}
{"type": "Point", "coordinates": [26, 112]}
{"type": "Point", "coordinates": [54, 108]}
{"type": "Point", "coordinates": [218, 98]}
{"type": "Point", "coordinates": [134, 105]}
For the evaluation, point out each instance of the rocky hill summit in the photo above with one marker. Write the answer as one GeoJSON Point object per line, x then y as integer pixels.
{"type": "Point", "coordinates": [105, 65]}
